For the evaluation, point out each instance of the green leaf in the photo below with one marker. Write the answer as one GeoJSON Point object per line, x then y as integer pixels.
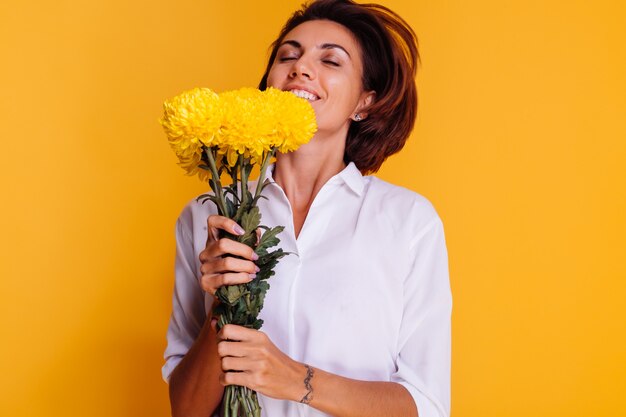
{"type": "Point", "coordinates": [256, 286]}
{"type": "Point", "coordinates": [248, 168]}
{"type": "Point", "coordinates": [220, 309]}
{"type": "Point", "coordinates": [241, 310]}
{"type": "Point", "coordinates": [211, 198]}
{"type": "Point", "coordinates": [266, 183]}
{"type": "Point", "coordinates": [230, 189]}
{"type": "Point", "coordinates": [249, 198]}
{"type": "Point", "coordinates": [230, 207]}
{"type": "Point", "coordinates": [204, 196]}
{"type": "Point", "coordinates": [269, 239]}
{"type": "Point", "coordinates": [221, 295]}
{"type": "Point", "coordinates": [257, 198]}
{"type": "Point", "coordinates": [234, 293]}
{"type": "Point", "coordinates": [213, 185]}
{"type": "Point", "coordinates": [240, 212]}
{"type": "Point", "coordinates": [251, 219]}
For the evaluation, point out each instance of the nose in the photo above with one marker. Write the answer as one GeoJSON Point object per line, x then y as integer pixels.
{"type": "Point", "coordinates": [302, 68]}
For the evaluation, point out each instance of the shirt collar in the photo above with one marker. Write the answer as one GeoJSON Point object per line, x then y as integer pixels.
{"type": "Point", "coordinates": [350, 175]}
{"type": "Point", "coordinates": [353, 178]}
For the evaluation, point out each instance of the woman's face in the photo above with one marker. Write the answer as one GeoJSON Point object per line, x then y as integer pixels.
{"type": "Point", "coordinates": [320, 60]}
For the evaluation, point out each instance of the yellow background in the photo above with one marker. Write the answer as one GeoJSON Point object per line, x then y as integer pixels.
{"type": "Point", "coordinates": [520, 144]}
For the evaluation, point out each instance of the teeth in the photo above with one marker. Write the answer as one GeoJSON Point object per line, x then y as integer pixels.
{"type": "Point", "coordinates": [304, 94]}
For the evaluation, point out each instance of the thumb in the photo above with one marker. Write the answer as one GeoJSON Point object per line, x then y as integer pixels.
{"type": "Point", "coordinates": [214, 324]}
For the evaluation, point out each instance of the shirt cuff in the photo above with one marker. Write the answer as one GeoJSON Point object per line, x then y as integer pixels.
{"type": "Point", "coordinates": [425, 407]}
{"type": "Point", "coordinates": [170, 365]}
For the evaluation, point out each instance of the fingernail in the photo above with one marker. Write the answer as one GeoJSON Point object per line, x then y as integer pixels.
{"type": "Point", "coordinates": [252, 276]}
{"type": "Point", "coordinates": [255, 257]}
{"type": "Point", "coordinates": [257, 268]}
{"type": "Point", "coordinates": [238, 230]}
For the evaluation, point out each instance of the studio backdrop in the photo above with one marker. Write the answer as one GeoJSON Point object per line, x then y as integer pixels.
{"type": "Point", "coordinates": [520, 144]}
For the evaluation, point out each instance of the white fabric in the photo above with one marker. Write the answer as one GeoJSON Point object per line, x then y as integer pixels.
{"type": "Point", "coordinates": [365, 295]}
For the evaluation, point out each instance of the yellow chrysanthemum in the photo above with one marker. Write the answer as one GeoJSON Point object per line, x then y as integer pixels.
{"type": "Point", "coordinates": [294, 119]}
{"type": "Point", "coordinates": [245, 129]}
{"type": "Point", "coordinates": [192, 164]}
{"type": "Point", "coordinates": [245, 122]}
{"type": "Point", "coordinates": [257, 121]}
{"type": "Point", "coordinates": [191, 121]}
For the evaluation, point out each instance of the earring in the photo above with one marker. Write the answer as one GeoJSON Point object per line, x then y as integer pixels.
{"type": "Point", "coordinates": [357, 117]}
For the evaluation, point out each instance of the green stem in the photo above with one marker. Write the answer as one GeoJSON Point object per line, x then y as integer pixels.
{"type": "Point", "coordinates": [216, 177]}
{"type": "Point", "coordinates": [235, 404]}
{"type": "Point", "coordinates": [233, 175]}
{"type": "Point", "coordinates": [255, 404]}
{"type": "Point", "coordinates": [259, 185]}
{"type": "Point", "coordinates": [257, 407]}
{"type": "Point", "coordinates": [226, 401]}
{"type": "Point", "coordinates": [243, 393]}
{"type": "Point", "coordinates": [244, 180]}
{"type": "Point", "coordinates": [222, 321]}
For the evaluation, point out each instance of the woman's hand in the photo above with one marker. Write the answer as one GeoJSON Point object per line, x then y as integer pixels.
{"type": "Point", "coordinates": [258, 364]}
{"type": "Point", "coordinates": [218, 270]}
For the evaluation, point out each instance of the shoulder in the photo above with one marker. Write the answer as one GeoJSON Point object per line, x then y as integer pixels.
{"type": "Point", "coordinates": [405, 208]}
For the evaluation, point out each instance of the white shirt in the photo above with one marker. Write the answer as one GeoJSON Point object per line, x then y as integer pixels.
{"type": "Point", "coordinates": [365, 295]}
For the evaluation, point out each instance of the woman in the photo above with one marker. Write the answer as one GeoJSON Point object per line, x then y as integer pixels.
{"type": "Point", "coordinates": [357, 320]}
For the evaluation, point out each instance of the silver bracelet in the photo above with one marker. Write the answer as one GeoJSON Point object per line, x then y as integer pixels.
{"type": "Point", "coordinates": [307, 384]}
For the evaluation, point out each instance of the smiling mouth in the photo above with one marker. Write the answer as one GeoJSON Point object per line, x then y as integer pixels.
{"type": "Point", "coordinates": [304, 94]}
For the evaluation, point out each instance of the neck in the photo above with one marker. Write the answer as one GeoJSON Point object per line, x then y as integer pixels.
{"type": "Point", "coordinates": [301, 174]}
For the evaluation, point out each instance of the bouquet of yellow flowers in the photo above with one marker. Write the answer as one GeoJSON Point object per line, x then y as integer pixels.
{"type": "Point", "coordinates": [230, 134]}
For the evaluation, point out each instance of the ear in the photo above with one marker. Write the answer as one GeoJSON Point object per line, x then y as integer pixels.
{"type": "Point", "coordinates": [366, 99]}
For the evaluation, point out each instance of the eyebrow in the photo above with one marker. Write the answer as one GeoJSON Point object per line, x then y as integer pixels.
{"type": "Point", "coordinates": [297, 44]}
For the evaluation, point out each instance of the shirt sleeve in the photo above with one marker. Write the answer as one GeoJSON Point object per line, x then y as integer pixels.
{"type": "Point", "coordinates": [188, 304]}
{"type": "Point", "coordinates": [424, 353]}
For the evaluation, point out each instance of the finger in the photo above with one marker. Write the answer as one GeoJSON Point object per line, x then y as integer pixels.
{"type": "Point", "coordinates": [231, 348]}
{"type": "Point", "coordinates": [232, 247]}
{"type": "Point", "coordinates": [212, 233]}
{"type": "Point", "coordinates": [215, 223]}
{"type": "Point", "coordinates": [230, 363]}
{"type": "Point", "coordinates": [235, 378]}
{"type": "Point", "coordinates": [232, 332]}
{"type": "Point", "coordinates": [211, 282]}
{"type": "Point", "coordinates": [230, 264]}
{"type": "Point", "coordinates": [213, 264]}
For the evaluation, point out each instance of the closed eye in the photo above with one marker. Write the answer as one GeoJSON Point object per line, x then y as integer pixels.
{"type": "Point", "coordinates": [329, 62]}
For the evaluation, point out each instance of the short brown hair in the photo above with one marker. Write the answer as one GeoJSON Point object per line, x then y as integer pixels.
{"type": "Point", "coordinates": [390, 59]}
